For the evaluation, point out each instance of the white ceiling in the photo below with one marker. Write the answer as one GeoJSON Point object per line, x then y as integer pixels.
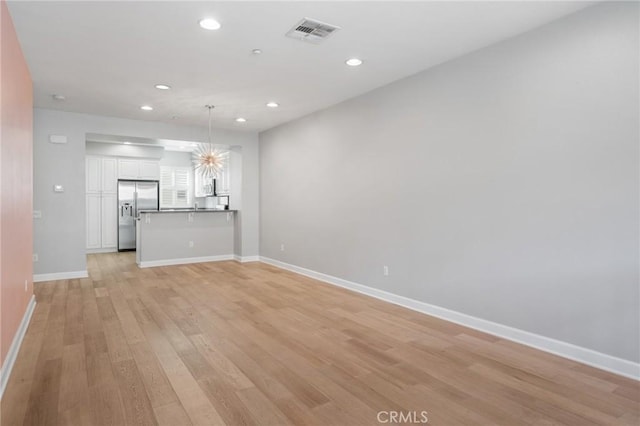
{"type": "Point", "coordinates": [105, 57]}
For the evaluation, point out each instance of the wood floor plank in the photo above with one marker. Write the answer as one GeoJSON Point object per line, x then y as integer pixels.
{"type": "Point", "coordinates": [116, 341]}
{"type": "Point", "coordinates": [261, 408]}
{"type": "Point", "coordinates": [223, 397]}
{"type": "Point", "coordinates": [45, 390]}
{"type": "Point", "coordinates": [106, 404]}
{"type": "Point", "coordinates": [127, 319]}
{"type": "Point", "coordinates": [172, 414]}
{"type": "Point", "coordinates": [73, 403]}
{"type": "Point", "coordinates": [194, 401]}
{"type": "Point", "coordinates": [229, 343]}
{"type": "Point", "coordinates": [156, 383]}
{"type": "Point", "coordinates": [224, 366]}
{"type": "Point", "coordinates": [136, 403]}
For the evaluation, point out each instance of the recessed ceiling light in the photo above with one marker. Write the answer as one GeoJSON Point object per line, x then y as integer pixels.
{"type": "Point", "coordinates": [146, 108]}
{"type": "Point", "coordinates": [272, 104]}
{"type": "Point", "coordinates": [353, 62]}
{"type": "Point", "coordinates": [256, 51]}
{"type": "Point", "coordinates": [127, 143]}
{"type": "Point", "coordinates": [162, 87]}
{"type": "Point", "coordinates": [210, 24]}
{"type": "Point", "coordinates": [241, 120]}
{"type": "Point", "coordinates": [58, 97]}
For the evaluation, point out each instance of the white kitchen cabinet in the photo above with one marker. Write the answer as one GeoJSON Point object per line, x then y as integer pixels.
{"type": "Point", "coordinates": [93, 174]}
{"type": "Point", "coordinates": [109, 175]}
{"type": "Point", "coordinates": [127, 169]}
{"type": "Point", "coordinates": [149, 170]}
{"type": "Point", "coordinates": [102, 221]}
{"type": "Point", "coordinates": [101, 203]}
{"type": "Point", "coordinates": [204, 187]}
{"type": "Point", "coordinates": [138, 169]}
{"type": "Point", "coordinates": [94, 240]}
{"type": "Point", "coordinates": [222, 183]}
{"type": "Point", "coordinates": [109, 222]}
{"type": "Point", "coordinates": [101, 175]}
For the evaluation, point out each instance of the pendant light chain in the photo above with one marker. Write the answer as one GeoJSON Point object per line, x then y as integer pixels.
{"type": "Point", "coordinates": [210, 108]}
{"type": "Point", "coordinates": [209, 162]}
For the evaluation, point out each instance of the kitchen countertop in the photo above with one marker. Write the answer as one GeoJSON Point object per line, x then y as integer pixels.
{"type": "Point", "coordinates": [187, 211]}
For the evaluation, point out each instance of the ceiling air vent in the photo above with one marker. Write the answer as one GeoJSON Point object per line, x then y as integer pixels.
{"type": "Point", "coordinates": [311, 30]}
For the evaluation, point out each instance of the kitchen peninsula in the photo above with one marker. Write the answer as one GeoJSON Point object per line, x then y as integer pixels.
{"type": "Point", "coordinates": [178, 236]}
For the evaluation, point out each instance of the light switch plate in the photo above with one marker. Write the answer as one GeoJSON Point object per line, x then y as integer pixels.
{"type": "Point", "coordinates": [37, 214]}
{"type": "Point", "coordinates": [57, 139]}
{"type": "Point", "coordinates": [58, 188]}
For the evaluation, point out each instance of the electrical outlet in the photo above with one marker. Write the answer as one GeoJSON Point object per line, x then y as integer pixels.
{"type": "Point", "coordinates": [190, 244]}
{"type": "Point", "coordinates": [385, 270]}
{"type": "Point", "coordinates": [35, 257]}
{"type": "Point", "coordinates": [281, 247]}
{"type": "Point", "coordinates": [37, 214]}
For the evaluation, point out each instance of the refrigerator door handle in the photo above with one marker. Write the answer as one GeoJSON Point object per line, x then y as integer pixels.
{"type": "Point", "coordinates": [135, 204]}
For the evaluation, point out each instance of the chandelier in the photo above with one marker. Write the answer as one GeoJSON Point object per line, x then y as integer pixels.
{"type": "Point", "coordinates": [207, 160]}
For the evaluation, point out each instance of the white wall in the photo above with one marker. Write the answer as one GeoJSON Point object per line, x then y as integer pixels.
{"type": "Point", "coordinates": [119, 150]}
{"type": "Point", "coordinates": [176, 159]}
{"type": "Point", "coordinates": [502, 185]}
{"type": "Point", "coordinates": [59, 236]}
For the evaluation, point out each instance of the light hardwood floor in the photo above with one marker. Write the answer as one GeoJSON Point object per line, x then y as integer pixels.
{"type": "Point", "coordinates": [230, 343]}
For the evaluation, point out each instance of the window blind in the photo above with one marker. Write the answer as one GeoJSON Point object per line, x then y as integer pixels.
{"type": "Point", "coordinates": [175, 187]}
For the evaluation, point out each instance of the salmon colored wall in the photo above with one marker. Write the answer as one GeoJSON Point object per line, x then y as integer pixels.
{"type": "Point", "coordinates": [16, 187]}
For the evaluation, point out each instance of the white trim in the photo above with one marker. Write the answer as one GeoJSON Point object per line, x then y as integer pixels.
{"type": "Point", "coordinates": [567, 350]}
{"type": "Point", "coordinates": [246, 259]}
{"type": "Point", "coordinates": [5, 370]}
{"type": "Point", "coordinates": [102, 250]}
{"type": "Point", "coordinates": [185, 260]}
{"type": "Point", "coordinates": [60, 276]}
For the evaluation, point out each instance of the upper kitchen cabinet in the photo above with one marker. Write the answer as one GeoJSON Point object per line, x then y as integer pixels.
{"type": "Point", "coordinates": [101, 203]}
{"type": "Point", "coordinates": [149, 169]}
{"type": "Point", "coordinates": [101, 174]}
{"type": "Point", "coordinates": [204, 187]}
{"type": "Point", "coordinates": [109, 175]}
{"type": "Point", "coordinates": [93, 174]}
{"type": "Point", "coordinates": [128, 169]}
{"type": "Point", "coordinates": [138, 169]}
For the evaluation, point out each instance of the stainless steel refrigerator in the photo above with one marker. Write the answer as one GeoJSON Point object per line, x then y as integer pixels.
{"type": "Point", "coordinates": [133, 196]}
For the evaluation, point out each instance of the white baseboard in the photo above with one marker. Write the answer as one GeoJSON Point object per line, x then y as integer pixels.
{"type": "Point", "coordinates": [5, 370]}
{"type": "Point", "coordinates": [567, 350]}
{"type": "Point", "coordinates": [185, 260]}
{"type": "Point", "coordinates": [60, 276]}
{"type": "Point", "coordinates": [102, 250]}
{"type": "Point", "coordinates": [244, 259]}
